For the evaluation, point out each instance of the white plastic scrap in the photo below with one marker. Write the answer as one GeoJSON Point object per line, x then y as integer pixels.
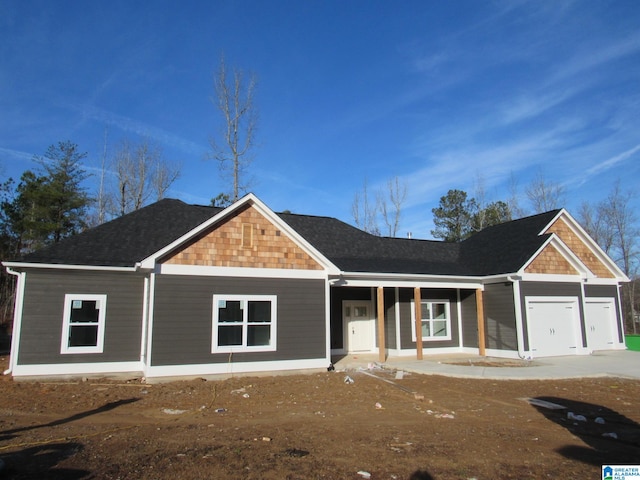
{"type": "Point", "coordinates": [173, 411]}
{"type": "Point", "coordinates": [348, 380]}
{"type": "Point", "coordinates": [364, 474]}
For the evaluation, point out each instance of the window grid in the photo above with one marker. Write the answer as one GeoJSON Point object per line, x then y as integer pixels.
{"type": "Point", "coordinates": [244, 323]}
{"type": "Point", "coordinates": [83, 323]}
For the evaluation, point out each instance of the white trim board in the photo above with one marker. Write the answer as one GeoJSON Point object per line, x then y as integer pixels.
{"type": "Point", "coordinates": [236, 367]}
{"type": "Point", "coordinates": [99, 368]}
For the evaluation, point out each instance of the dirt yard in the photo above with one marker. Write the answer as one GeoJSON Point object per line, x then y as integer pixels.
{"type": "Point", "coordinates": [317, 426]}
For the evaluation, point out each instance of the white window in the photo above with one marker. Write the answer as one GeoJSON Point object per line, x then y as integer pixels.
{"type": "Point", "coordinates": [83, 323]}
{"type": "Point", "coordinates": [436, 320]}
{"type": "Point", "coordinates": [244, 323]}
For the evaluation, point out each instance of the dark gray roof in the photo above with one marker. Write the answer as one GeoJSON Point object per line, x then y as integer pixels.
{"type": "Point", "coordinates": [506, 247]}
{"type": "Point", "coordinates": [353, 250]}
{"type": "Point", "coordinates": [129, 239]}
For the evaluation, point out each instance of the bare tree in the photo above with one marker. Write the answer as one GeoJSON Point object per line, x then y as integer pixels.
{"type": "Point", "coordinates": [594, 220]}
{"type": "Point", "coordinates": [624, 225]}
{"type": "Point", "coordinates": [386, 207]}
{"type": "Point", "coordinates": [234, 97]}
{"type": "Point", "coordinates": [390, 204]}
{"type": "Point", "coordinates": [613, 224]}
{"type": "Point", "coordinates": [514, 199]}
{"type": "Point", "coordinates": [544, 195]}
{"type": "Point", "coordinates": [365, 212]}
{"type": "Point", "coordinates": [141, 174]}
{"type": "Point", "coordinates": [101, 197]}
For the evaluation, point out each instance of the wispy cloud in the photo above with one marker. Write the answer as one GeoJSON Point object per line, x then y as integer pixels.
{"type": "Point", "coordinates": [609, 163]}
{"type": "Point", "coordinates": [594, 58]}
{"type": "Point", "coordinates": [139, 128]}
{"type": "Point", "coordinates": [17, 154]}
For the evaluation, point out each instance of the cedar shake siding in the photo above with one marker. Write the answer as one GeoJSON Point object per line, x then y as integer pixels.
{"type": "Point", "coordinates": [244, 240]}
{"type": "Point", "coordinates": [577, 246]}
{"type": "Point", "coordinates": [500, 317]}
{"type": "Point", "coordinates": [42, 315]}
{"type": "Point", "coordinates": [469, 318]}
{"type": "Point", "coordinates": [183, 316]}
{"type": "Point", "coordinates": [550, 261]}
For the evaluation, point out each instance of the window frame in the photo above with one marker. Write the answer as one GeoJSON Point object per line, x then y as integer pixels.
{"type": "Point", "coordinates": [245, 323]}
{"type": "Point", "coordinates": [67, 325]}
{"type": "Point", "coordinates": [431, 338]}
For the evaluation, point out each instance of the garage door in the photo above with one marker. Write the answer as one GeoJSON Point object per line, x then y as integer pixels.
{"type": "Point", "coordinates": [553, 323]}
{"type": "Point", "coordinates": [600, 320]}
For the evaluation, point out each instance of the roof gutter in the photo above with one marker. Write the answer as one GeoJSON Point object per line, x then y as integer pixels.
{"type": "Point", "coordinates": [136, 268]}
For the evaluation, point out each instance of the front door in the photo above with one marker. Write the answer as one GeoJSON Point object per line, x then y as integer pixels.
{"type": "Point", "coordinates": [359, 326]}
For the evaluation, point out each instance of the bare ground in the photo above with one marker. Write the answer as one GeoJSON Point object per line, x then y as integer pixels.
{"type": "Point", "coordinates": [316, 426]}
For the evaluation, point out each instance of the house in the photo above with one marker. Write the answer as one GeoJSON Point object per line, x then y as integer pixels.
{"type": "Point", "coordinates": [181, 290]}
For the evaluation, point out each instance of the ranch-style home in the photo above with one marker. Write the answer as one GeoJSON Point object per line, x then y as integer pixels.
{"type": "Point", "coordinates": [183, 290]}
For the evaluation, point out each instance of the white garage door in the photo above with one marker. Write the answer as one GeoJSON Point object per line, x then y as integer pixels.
{"type": "Point", "coordinates": [600, 320]}
{"type": "Point", "coordinates": [553, 323]}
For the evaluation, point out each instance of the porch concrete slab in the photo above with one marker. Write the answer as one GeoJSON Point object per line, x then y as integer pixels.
{"type": "Point", "coordinates": [614, 363]}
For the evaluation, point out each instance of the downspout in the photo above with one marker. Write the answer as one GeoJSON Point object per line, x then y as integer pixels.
{"type": "Point", "coordinates": [517, 305]}
{"type": "Point", "coordinates": [17, 319]}
{"type": "Point", "coordinates": [145, 322]}
{"type": "Point", "coordinates": [150, 313]}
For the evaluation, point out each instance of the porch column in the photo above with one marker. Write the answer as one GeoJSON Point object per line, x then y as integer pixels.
{"type": "Point", "coordinates": [381, 340]}
{"type": "Point", "coordinates": [480, 313]}
{"type": "Point", "coordinates": [417, 301]}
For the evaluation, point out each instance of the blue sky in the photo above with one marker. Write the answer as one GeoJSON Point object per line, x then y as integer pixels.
{"type": "Point", "coordinates": [438, 93]}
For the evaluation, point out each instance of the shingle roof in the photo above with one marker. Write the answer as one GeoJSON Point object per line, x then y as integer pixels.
{"type": "Point", "coordinates": [353, 250]}
{"type": "Point", "coordinates": [129, 239]}
{"type": "Point", "coordinates": [505, 248]}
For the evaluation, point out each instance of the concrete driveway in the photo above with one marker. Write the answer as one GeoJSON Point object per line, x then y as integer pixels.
{"type": "Point", "coordinates": [614, 363]}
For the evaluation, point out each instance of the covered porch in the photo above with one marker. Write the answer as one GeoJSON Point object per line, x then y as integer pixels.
{"type": "Point", "coordinates": [392, 318]}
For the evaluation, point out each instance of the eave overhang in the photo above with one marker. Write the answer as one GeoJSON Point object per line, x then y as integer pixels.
{"type": "Point", "coordinates": [369, 279]}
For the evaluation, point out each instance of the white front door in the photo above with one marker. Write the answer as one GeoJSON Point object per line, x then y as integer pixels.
{"type": "Point", "coordinates": [359, 326]}
{"type": "Point", "coordinates": [552, 324]}
{"type": "Point", "coordinates": [600, 320]}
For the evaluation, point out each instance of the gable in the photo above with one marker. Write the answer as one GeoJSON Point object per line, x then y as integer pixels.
{"type": "Point", "coordinates": [246, 239]}
{"type": "Point", "coordinates": [579, 248]}
{"type": "Point", "coordinates": [551, 261]}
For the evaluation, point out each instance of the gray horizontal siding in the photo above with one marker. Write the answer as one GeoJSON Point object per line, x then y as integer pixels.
{"type": "Point", "coordinates": [469, 318]}
{"type": "Point", "coordinates": [41, 329]}
{"type": "Point", "coordinates": [389, 318]}
{"type": "Point", "coordinates": [601, 291]}
{"type": "Point", "coordinates": [183, 316]}
{"type": "Point", "coordinates": [500, 317]}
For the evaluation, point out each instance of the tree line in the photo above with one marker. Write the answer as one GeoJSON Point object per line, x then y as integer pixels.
{"type": "Point", "coordinates": [611, 222]}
